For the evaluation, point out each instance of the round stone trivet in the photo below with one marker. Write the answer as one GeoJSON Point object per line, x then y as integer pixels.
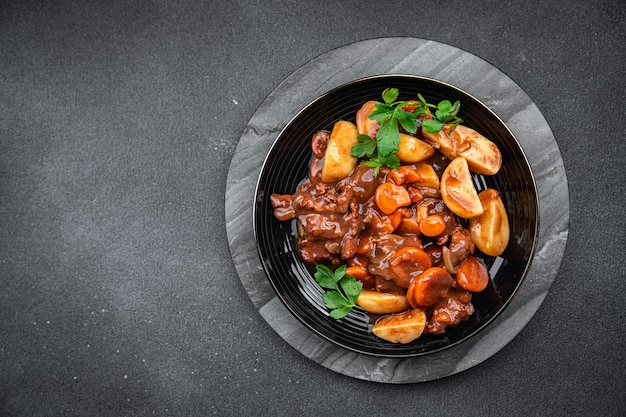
{"type": "Point", "coordinates": [400, 56]}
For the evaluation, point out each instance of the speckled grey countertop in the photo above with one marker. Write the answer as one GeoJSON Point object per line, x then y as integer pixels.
{"type": "Point", "coordinates": [119, 125]}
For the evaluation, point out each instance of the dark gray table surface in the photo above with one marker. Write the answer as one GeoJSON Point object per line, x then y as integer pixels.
{"type": "Point", "coordinates": [118, 124]}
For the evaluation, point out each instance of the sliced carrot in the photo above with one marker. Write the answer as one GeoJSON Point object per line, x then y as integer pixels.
{"type": "Point", "coordinates": [362, 274]}
{"type": "Point", "coordinates": [432, 225]}
{"type": "Point", "coordinates": [395, 218]}
{"type": "Point", "coordinates": [390, 196]}
{"type": "Point", "coordinates": [430, 286]}
{"type": "Point", "coordinates": [472, 275]}
{"type": "Point", "coordinates": [410, 295]}
{"type": "Point", "coordinates": [411, 106]}
{"type": "Point", "coordinates": [405, 174]}
{"type": "Point", "coordinates": [407, 263]}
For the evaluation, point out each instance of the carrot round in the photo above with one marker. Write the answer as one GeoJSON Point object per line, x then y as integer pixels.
{"type": "Point", "coordinates": [362, 274]}
{"type": "Point", "coordinates": [407, 263]}
{"type": "Point", "coordinates": [430, 286]}
{"type": "Point", "coordinates": [432, 225]}
{"type": "Point", "coordinates": [390, 196]}
{"type": "Point", "coordinates": [405, 174]}
{"type": "Point", "coordinates": [472, 275]}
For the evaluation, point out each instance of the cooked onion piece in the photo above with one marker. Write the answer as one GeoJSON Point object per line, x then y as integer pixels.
{"type": "Point", "coordinates": [401, 328]}
{"type": "Point", "coordinates": [490, 231]}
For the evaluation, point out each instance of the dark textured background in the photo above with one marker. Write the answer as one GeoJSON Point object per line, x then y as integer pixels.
{"type": "Point", "coordinates": [118, 295]}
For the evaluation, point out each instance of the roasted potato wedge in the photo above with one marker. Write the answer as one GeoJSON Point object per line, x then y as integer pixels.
{"type": "Point", "coordinates": [482, 155]}
{"type": "Point", "coordinates": [458, 191]}
{"type": "Point", "coordinates": [412, 149]}
{"type": "Point", "coordinates": [490, 231]}
{"type": "Point", "coordinates": [382, 302]}
{"type": "Point", "coordinates": [401, 328]}
{"type": "Point", "coordinates": [338, 159]}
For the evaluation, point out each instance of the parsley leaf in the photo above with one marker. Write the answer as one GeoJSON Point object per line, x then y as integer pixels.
{"type": "Point", "coordinates": [390, 95]}
{"type": "Point", "coordinates": [325, 277]}
{"type": "Point", "coordinates": [381, 112]}
{"type": "Point", "coordinates": [365, 147]}
{"type": "Point", "coordinates": [391, 160]}
{"type": "Point", "coordinates": [344, 290]}
{"type": "Point", "coordinates": [407, 120]}
{"type": "Point", "coordinates": [388, 136]}
{"type": "Point", "coordinates": [432, 126]}
{"type": "Point", "coordinates": [446, 113]}
{"type": "Point", "coordinates": [373, 163]}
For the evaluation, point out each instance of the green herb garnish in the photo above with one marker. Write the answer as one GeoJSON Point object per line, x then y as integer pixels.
{"type": "Point", "coordinates": [446, 113]}
{"type": "Point", "coordinates": [391, 115]}
{"type": "Point", "coordinates": [344, 290]}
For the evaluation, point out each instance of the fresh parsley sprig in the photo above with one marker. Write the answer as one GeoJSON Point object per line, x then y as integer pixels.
{"type": "Point", "coordinates": [390, 114]}
{"type": "Point", "coordinates": [344, 290]}
{"type": "Point", "coordinates": [446, 113]}
{"type": "Point", "coordinates": [368, 147]}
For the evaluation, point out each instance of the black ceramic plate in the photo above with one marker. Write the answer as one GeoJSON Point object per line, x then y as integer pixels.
{"type": "Point", "coordinates": [286, 165]}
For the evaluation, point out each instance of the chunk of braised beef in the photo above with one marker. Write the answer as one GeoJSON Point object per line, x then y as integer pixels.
{"type": "Point", "coordinates": [319, 142]}
{"type": "Point", "coordinates": [353, 227]}
{"type": "Point", "coordinates": [362, 181]}
{"type": "Point", "coordinates": [450, 311]}
{"type": "Point", "coordinates": [317, 251]}
{"type": "Point", "coordinates": [384, 285]}
{"type": "Point", "coordinates": [322, 226]}
{"type": "Point", "coordinates": [283, 209]}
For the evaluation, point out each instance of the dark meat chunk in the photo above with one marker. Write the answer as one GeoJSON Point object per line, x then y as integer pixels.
{"type": "Point", "coordinates": [283, 210]}
{"type": "Point", "coordinates": [450, 311]}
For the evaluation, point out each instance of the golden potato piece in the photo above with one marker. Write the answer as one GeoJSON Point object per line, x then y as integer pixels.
{"type": "Point", "coordinates": [490, 231]}
{"type": "Point", "coordinates": [412, 149]}
{"type": "Point", "coordinates": [482, 155]}
{"type": "Point", "coordinates": [365, 125]}
{"type": "Point", "coordinates": [458, 191]}
{"type": "Point", "coordinates": [428, 176]}
{"type": "Point", "coordinates": [401, 328]}
{"type": "Point", "coordinates": [338, 160]}
{"type": "Point", "coordinates": [382, 302]}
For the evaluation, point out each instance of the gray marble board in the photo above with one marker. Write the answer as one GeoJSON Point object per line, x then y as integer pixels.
{"type": "Point", "coordinates": [399, 56]}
